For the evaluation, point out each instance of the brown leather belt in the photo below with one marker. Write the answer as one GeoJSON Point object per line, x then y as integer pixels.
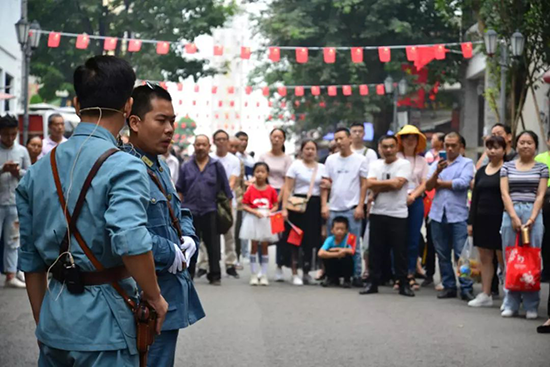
{"type": "Point", "coordinates": [106, 276]}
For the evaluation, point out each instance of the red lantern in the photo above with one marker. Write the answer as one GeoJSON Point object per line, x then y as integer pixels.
{"type": "Point", "coordinates": [299, 91]}
{"type": "Point", "coordinates": [439, 52]}
{"type": "Point", "coordinates": [53, 39]}
{"type": "Point", "coordinates": [297, 103]}
{"type": "Point", "coordinates": [274, 54]}
{"type": "Point", "coordinates": [230, 90]}
{"type": "Point", "coordinates": [196, 88]}
{"type": "Point", "coordinates": [109, 44]}
{"type": "Point", "coordinates": [180, 87]}
{"type": "Point", "coordinates": [346, 90]}
{"type": "Point", "coordinates": [163, 47]}
{"type": "Point", "coordinates": [218, 50]}
{"type": "Point", "coordinates": [134, 46]}
{"type": "Point", "coordinates": [283, 104]}
{"type": "Point", "coordinates": [183, 125]}
{"type": "Point", "coordinates": [231, 103]}
{"type": "Point", "coordinates": [322, 104]}
{"type": "Point", "coordinates": [412, 53]}
{"type": "Point", "coordinates": [301, 55]}
{"type": "Point", "coordinates": [315, 90]}
{"type": "Point", "coordinates": [269, 103]}
{"type": "Point", "coordinates": [214, 90]}
{"type": "Point", "coordinates": [257, 104]}
{"type": "Point", "coordinates": [466, 50]}
{"type": "Point", "coordinates": [245, 53]}
{"type": "Point", "coordinates": [194, 103]}
{"type": "Point", "coordinates": [357, 54]}
{"type": "Point", "coordinates": [380, 89]}
{"type": "Point", "coordinates": [329, 54]}
{"type": "Point", "coordinates": [248, 90]}
{"type": "Point", "coordinates": [82, 41]}
{"type": "Point", "coordinates": [163, 85]}
{"type": "Point", "coordinates": [190, 48]}
{"type": "Point", "coordinates": [220, 103]}
{"type": "Point", "coordinates": [364, 90]}
{"type": "Point", "coordinates": [332, 91]}
{"type": "Point", "coordinates": [265, 91]}
{"type": "Point", "coordinates": [384, 54]}
{"type": "Point", "coordinates": [281, 91]}
{"type": "Point", "coordinates": [246, 104]}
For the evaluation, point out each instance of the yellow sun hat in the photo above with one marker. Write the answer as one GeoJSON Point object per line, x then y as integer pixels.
{"type": "Point", "coordinates": [412, 130]}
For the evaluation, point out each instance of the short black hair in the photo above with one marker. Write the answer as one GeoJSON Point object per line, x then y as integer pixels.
{"type": "Point", "coordinates": [507, 129]}
{"type": "Point", "coordinates": [143, 95]}
{"type": "Point", "coordinates": [104, 81]}
{"type": "Point", "coordinates": [495, 142]}
{"type": "Point", "coordinates": [531, 134]}
{"type": "Point", "coordinates": [384, 137]}
{"type": "Point", "coordinates": [203, 136]}
{"type": "Point", "coordinates": [463, 141]}
{"type": "Point", "coordinates": [260, 164]}
{"type": "Point", "coordinates": [8, 122]}
{"type": "Point", "coordinates": [358, 124]}
{"type": "Point", "coordinates": [454, 134]}
{"type": "Point", "coordinates": [53, 116]}
{"type": "Point", "coordinates": [307, 141]}
{"type": "Point", "coordinates": [33, 137]}
{"type": "Point", "coordinates": [341, 219]}
{"type": "Point", "coordinates": [241, 133]}
{"type": "Point", "coordinates": [344, 129]}
{"type": "Point", "coordinates": [219, 132]}
{"type": "Point", "coordinates": [278, 129]}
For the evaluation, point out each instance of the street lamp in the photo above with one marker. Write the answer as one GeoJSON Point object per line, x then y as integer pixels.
{"type": "Point", "coordinates": [517, 42]}
{"type": "Point", "coordinates": [28, 37]}
{"type": "Point", "coordinates": [388, 85]}
{"type": "Point", "coordinates": [402, 86]}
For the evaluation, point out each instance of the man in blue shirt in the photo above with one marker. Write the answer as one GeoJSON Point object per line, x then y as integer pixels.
{"type": "Point", "coordinates": [95, 327]}
{"type": "Point", "coordinates": [451, 177]}
{"type": "Point", "coordinates": [174, 241]}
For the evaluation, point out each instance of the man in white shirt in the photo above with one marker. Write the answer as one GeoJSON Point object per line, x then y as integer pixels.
{"type": "Point", "coordinates": [347, 172]}
{"type": "Point", "coordinates": [172, 163]}
{"type": "Point", "coordinates": [56, 127]}
{"type": "Point", "coordinates": [387, 179]}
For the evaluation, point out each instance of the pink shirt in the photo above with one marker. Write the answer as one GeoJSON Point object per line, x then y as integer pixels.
{"type": "Point", "coordinates": [419, 170]}
{"type": "Point", "coordinates": [277, 168]}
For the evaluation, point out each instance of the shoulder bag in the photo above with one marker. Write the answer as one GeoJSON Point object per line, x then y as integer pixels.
{"type": "Point", "coordinates": [298, 204]}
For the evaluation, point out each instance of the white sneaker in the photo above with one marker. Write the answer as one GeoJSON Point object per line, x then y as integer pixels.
{"type": "Point", "coordinates": [508, 313]}
{"type": "Point", "coordinates": [307, 279]}
{"type": "Point", "coordinates": [531, 315]}
{"type": "Point", "coordinates": [263, 280]}
{"type": "Point", "coordinates": [253, 280]}
{"type": "Point", "coordinates": [482, 300]}
{"type": "Point", "coordinates": [296, 280]}
{"type": "Point", "coordinates": [21, 276]}
{"type": "Point", "coordinates": [14, 283]}
{"type": "Point", "coordinates": [279, 275]}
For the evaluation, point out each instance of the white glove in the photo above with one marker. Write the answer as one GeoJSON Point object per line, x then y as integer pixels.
{"type": "Point", "coordinates": [179, 259]}
{"type": "Point", "coordinates": [188, 248]}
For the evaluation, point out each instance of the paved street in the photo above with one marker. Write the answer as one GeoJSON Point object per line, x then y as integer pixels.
{"type": "Point", "coordinates": [283, 325]}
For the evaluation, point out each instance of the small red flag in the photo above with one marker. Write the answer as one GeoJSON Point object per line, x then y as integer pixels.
{"type": "Point", "coordinates": [412, 53]}
{"type": "Point", "coordinates": [332, 91]}
{"type": "Point", "coordinates": [180, 87]}
{"type": "Point", "coordinates": [194, 103]}
{"type": "Point", "coordinates": [265, 91]}
{"type": "Point", "coordinates": [82, 41]}
{"type": "Point", "coordinates": [245, 53]}
{"type": "Point", "coordinates": [270, 103]}
{"type": "Point", "coordinates": [218, 50]}
{"type": "Point", "coordinates": [352, 241]}
{"type": "Point", "coordinates": [466, 50]}
{"type": "Point", "coordinates": [134, 46]}
{"type": "Point", "coordinates": [380, 89]}
{"type": "Point", "coordinates": [295, 235]}
{"type": "Point", "coordinates": [217, 116]}
{"type": "Point", "coordinates": [230, 90]}
{"type": "Point", "coordinates": [274, 54]}
{"type": "Point", "coordinates": [357, 54]}
{"type": "Point", "coordinates": [315, 90]}
{"type": "Point", "coordinates": [439, 52]}
{"type": "Point", "coordinates": [364, 90]}
{"type": "Point", "coordinates": [329, 54]}
{"type": "Point", "coordinates": [214, 90]}
{"type": "Point", "coordinates": [299, 91]}
{"type": "Point", "coordinates": [231, 103]}
{"type": "Point", "coordinates": [346, 90]}
{"type": "Point", "coordinates": [301, 55]}
{"type": "Point", "coordinates": [163, 47]}
{"type": "Point", "coordinates": [109, 44]}
{"type": "Point", "coordinates": [220, 103]}
{"type": "Point", "coordinates": [190, 48]}
{"type": "Point", "coordinates": [248, 90]}
{"type": "Point", "coordinates": [196, 89]}
{"type": "Point", "coordinates": [281, 91]}
{"type": "Point", "coordinates": [384, 54]}
{"type": "Point", "coordinates": [246, 104]}
{"type": "Point", "coordinates": [257, 104]}
{"type": "Point", "coordinates": [53, 39]}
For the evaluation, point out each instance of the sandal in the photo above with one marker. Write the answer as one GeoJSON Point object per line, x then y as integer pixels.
{"type": "Point", "coordinates": [396, 285]}
{"type": "Point", "coordinates": [414, 285]}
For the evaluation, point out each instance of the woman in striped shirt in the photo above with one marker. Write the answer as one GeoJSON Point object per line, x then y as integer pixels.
{"type": "Point", "coordinates": [523, 184]}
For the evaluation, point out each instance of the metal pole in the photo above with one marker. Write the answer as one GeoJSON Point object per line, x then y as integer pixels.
{"type": "Point", "coordinates": [25, 67]}
{"type": "Point", "coordinates": [395, 127]}
{"type": "Point", "coordinates": [503, 69]}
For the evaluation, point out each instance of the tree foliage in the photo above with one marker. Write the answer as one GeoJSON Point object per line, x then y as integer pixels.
{"type": "Point", "coordinates": [167, 20]}
{"type": "Point", "coordinates": [352, 23]}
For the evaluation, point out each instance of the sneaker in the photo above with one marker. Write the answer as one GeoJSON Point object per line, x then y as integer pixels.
{"type": "Point", "coordinates": [482, 300]}
{"type": "Point", "coordinates": [254, 280]}
{"type": "Point", "coordinates": [232, 272]}
{"type": "Point", "coordinates": [279, 275]}
{"type": "Point", "coordinates": [200, 273]}
{"type": "Point", "coordinates": [296, 280]}
{"type": "Point", "coordinates": [239, 266]}
{"type": "Point", "coordinates": [14, 283]}
{"type": "Point", "coordinates": [439, 287]}
{"type": "Point", "coordinates": [532, 315]}
{"type": "Point", "coordinates": [263, 280]}
{"type": "Point", "coordinates": [307, 279]}
{"type": "Point", "coordinates": [508, 313]}
{"type": "Point", "coordinates": [21, 276]}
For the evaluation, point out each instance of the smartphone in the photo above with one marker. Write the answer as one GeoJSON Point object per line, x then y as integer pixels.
{"type": "Point", "coordinates": [443, 154]}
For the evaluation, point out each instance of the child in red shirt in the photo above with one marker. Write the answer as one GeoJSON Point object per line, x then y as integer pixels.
{"type": "Point", "coordinates": [259, 201]}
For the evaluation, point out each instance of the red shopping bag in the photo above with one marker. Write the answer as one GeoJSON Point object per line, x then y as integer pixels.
{"type": "Point", "coordinates": [277, 223]}
{"type": "Point", "coordinates": [295, 235]}
{"type": "Point", "coordinates": [523, 266]}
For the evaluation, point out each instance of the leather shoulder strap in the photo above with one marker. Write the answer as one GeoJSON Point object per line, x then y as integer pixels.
{"type": "Point", "coordinates": [175, 220]}
{"type": "Point", "coordinates": [312, 182]}
{"type": "Point", "coordinates": [71, 220]}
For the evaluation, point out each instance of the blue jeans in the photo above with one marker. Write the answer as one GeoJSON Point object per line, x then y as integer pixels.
{"type": "Point", "coordinates": [163, 351]}
{"type": "Point", "coordinates": [355, 228]}
{"type": "Point", "coordinates": [9, 231]}
{"type": "Point", "coordinates": [446, 238]}
{"type": "Point", "coordinates": [512, 300]}
{"type": "Point", "coordinates": [416, 217]}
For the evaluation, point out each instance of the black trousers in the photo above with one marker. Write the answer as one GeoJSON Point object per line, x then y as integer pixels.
{"type": "Point", "coordinates": [387, 233]}
{"type": "Point", "coordinates": [429, 250]}
{"type": "Point", "coordinates": [545, 251]}
{"type": "Point", "coordinates": [207, 231]}
{"type": "Point", "coordinates": [238, 225]}
{"type": "Point", "coordinates": [310, 222]}
{"type": "Point", "coordinates": [339, 268]}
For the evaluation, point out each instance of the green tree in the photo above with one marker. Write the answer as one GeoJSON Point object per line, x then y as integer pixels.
{"type": "Point", "coordinates": [184, 131]}
{"type": "Point", "coordinates": [167, 20]}
{"type": "Point", "coordinates": [352, 23]}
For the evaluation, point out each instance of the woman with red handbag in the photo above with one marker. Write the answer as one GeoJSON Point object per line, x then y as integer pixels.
{"type": "Point", "coordinates": [523, 184]}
